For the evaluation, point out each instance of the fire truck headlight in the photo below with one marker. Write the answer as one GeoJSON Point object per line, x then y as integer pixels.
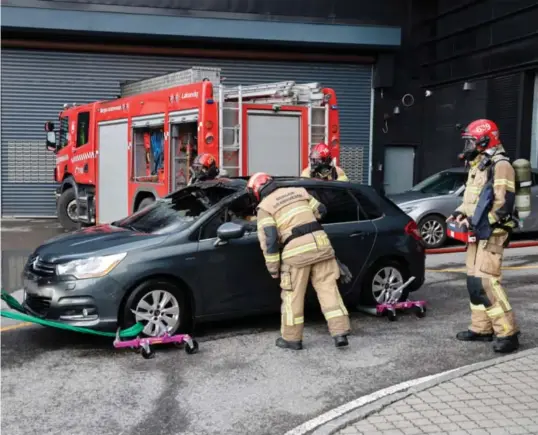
{"type": "Point", "coordinates": [209, 138]}
{"type": "Point", "coordinates": [93, 267]}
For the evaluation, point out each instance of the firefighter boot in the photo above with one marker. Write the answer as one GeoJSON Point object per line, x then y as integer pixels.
{"type": "Point", "coordinates": [340, 340]}
{"type": "Point", "coordinates": [285, 344]}
{"type": "Point", "coordinates": [473, 336]}
{"type": "Point", "coordinates": [506, 344]}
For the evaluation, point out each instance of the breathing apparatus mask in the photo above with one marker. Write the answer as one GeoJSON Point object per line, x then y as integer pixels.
{"type": "Point", "coordinates": [470, 149]}
{"type": "Point", "coordinates": [321, 167]}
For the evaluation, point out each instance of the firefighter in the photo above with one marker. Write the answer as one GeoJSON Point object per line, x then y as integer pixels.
{"type": "Point", "coordinates": [204, 168]}
{"type": "Point", "coordinates": [296, 249]}
{"type": "Point", "coordinates": [487, 208]}
{"type": "Point", "coordinates": [322, 166]}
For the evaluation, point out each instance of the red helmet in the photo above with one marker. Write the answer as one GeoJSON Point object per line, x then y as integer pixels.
{"type": "Point", "coordinates": [257, 182]}
{"type": "Point", "coordinates": [205, 166]}
{"type": "Point", "coordinates": [479, 136]}
{"type": "Point", "coordinates": [321, 159]}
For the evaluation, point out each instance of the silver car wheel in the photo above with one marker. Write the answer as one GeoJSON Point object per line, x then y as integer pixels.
{"type": "Point", "coordinates": [385, 282]}
{"type": "Point", "coordinates": [72, 210]}
{"type": "Point", "coordinates": [159, 310]}
{"type": "Point", "coordinates": [432, 232]}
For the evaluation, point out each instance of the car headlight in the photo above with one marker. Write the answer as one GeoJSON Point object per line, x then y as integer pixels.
{"type": "Point", "coordinates": [93, 267]}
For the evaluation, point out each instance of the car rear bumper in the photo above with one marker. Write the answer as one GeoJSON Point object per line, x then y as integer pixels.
{"type": "Point", "coordinates": [89, 303]}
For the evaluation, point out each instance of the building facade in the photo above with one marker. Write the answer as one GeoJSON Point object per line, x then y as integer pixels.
{"type": "Point", "coordinates": [405, 72]}
{"type": "Point", "coordinates": [460, 60]}
{"type": "Point", "coordinates": [56, 52]}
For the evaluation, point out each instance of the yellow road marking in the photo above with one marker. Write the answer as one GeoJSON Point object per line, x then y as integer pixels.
{"type": "Point", "coordinates": [16, 326]}
{"type": "Point", "coordinates": [463, 269]}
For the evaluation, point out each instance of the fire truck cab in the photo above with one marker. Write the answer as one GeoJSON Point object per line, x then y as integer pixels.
{"type": "Point", "coordinates": [115, 157]}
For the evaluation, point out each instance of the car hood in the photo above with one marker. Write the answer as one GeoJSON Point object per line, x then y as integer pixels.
{"type": "Point", "coordinates": [99, 240]}
{"type": "Point", "coordinates": [401, 198]}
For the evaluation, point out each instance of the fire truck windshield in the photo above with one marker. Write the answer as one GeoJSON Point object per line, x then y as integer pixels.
{"type": "Point", "coordinates": [64, 128]}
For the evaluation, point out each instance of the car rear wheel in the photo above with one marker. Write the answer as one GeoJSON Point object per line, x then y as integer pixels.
{"type": "Point", "coordinates": [433, 231]}
{"type": "Point", "coordinates": [159, 305]}
{"type": "Point", "coordinates": [382, 281]}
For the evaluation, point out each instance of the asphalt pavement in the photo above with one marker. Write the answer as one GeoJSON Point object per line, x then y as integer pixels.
{"type": "Point", "coordinates": [55, 382]}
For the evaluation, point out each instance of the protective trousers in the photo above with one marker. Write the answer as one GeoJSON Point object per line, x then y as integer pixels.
{"type": "Point", "coordinates": [294, 282]}
{"type": "Point", "coordinates": [490, 310]}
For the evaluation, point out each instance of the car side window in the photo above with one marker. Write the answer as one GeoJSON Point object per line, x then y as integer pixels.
{"type": "Point", "coordinates": [240, 210]}
{"type": "Point", "coordinates": [368, 210]}
{"type": "Point", "coordinates": [341, 205]}
{"type": "Point", "coordinates": [209, 230]}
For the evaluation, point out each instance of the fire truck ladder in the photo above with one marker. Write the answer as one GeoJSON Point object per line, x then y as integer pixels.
{"type": "Point", "coordinates": [230, 137]}
{"type": "Point", "coordinates": [279, 93]}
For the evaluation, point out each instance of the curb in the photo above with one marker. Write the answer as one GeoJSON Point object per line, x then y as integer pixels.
{"type": "Point", "coordinates": [522, 244]}
{"type": "Point", "coordinates": [371, 404]}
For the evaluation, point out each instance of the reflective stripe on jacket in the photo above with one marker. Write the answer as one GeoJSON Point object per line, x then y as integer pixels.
{"type": "Point", "coordinates": [503, 190]}
{"type": "Point", "coordinates": [340, 175]}
{"type": "Point", "coordinates": [280, 212]}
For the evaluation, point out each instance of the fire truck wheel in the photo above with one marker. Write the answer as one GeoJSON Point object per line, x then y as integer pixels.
{"type": "Point", "coordinates": [67, 209]}
{"type": "Point", "coordinates": [146, 202]}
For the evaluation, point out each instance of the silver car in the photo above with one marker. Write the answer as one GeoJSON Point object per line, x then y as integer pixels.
{"type": "Point", "coordinates": [431, 201]}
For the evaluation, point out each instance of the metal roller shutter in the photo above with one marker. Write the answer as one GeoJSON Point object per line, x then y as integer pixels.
{"type": "Point", "coordinates": [35, 85]}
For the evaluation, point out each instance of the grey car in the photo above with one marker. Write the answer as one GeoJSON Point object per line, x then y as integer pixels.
{"type": "Point", "coordinates": [432, 200]}
{"type": "Point", "coordinates": [195, 255]}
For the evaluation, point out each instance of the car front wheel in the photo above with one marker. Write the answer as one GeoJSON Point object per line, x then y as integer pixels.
{"type": "Point", "coordinates": [382, 282]}
{"type": "Point", "coordinates": [159, 305]}
{"type": "Point", "coordinates": [433, 231]}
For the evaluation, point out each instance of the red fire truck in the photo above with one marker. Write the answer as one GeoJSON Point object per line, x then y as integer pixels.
{"type": "Point", "coordinates": [116, 157]}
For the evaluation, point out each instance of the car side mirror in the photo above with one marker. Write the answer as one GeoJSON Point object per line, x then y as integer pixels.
{"type": "Point", "coordinates": [51, 141]}
{"type": "Point", "coordinates": [229, 231]}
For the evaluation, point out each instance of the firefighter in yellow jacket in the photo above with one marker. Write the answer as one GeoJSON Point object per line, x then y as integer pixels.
{"type": "Point", "coordinates": [491, 220]}
{"type": "Point", "coordinates": [297, 249]}
{"type": "Point", "coordinates": [322, 167]}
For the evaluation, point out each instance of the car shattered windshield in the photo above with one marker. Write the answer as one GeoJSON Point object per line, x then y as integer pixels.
{"type": "Point", "coordinates": [177, 211]}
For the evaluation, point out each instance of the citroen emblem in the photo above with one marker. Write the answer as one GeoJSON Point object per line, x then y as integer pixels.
{"type": "Point", "coordinates": [34, 264]}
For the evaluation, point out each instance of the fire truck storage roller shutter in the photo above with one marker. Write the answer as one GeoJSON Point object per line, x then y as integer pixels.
{"type": "Point", "coordinates": [36, 84]}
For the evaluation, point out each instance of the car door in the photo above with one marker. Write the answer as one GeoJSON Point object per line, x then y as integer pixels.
{"type": "Point", "coordinates": [233, 277]}
{"type": "Point", "coordinates": [351, 233]}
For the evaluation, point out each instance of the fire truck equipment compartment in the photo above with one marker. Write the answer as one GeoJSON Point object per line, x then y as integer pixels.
{"type": "Point", "coordinates": [274, 143]}
{"type": "Point", "coordinates": [183, 149]}
{"type": "Point", "coordinates": [113, 196]}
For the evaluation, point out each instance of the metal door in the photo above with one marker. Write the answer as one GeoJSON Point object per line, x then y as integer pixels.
{"type": "Point", "coordinates": [274, 143]}
{"type": "Point", "coordinates": [113, 187]}
{"type": "Point", "coordinates": [399, 169]}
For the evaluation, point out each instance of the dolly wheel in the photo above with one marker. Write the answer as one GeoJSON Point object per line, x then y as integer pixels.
{"type": "Point", "coordinates": [420, 312]}
{"type": "Point", "coordinates": [391, 315]}
{"type": "Point", "coordinates": [192, 349]}
{"type": "Point", "coordinates": [148, 354]}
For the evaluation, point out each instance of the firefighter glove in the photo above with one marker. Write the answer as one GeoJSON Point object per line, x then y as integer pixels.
{"type": "Point", "coordinates": [345, 274]}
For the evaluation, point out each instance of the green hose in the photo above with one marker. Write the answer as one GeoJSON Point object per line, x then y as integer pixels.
{"type": "Point", "coordinates": [133, 331]}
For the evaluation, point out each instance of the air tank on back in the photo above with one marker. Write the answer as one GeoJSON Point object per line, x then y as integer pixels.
{"type": "Point", "coordinates": [523, 172]}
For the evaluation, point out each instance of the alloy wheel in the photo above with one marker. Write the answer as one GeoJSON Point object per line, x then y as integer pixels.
{"type": "Point", "coordinates": [432, 232]}
{"type": "Point", "coordinates": [384, 284]}
{"type": "Point", "coordinates": [159, 311]}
